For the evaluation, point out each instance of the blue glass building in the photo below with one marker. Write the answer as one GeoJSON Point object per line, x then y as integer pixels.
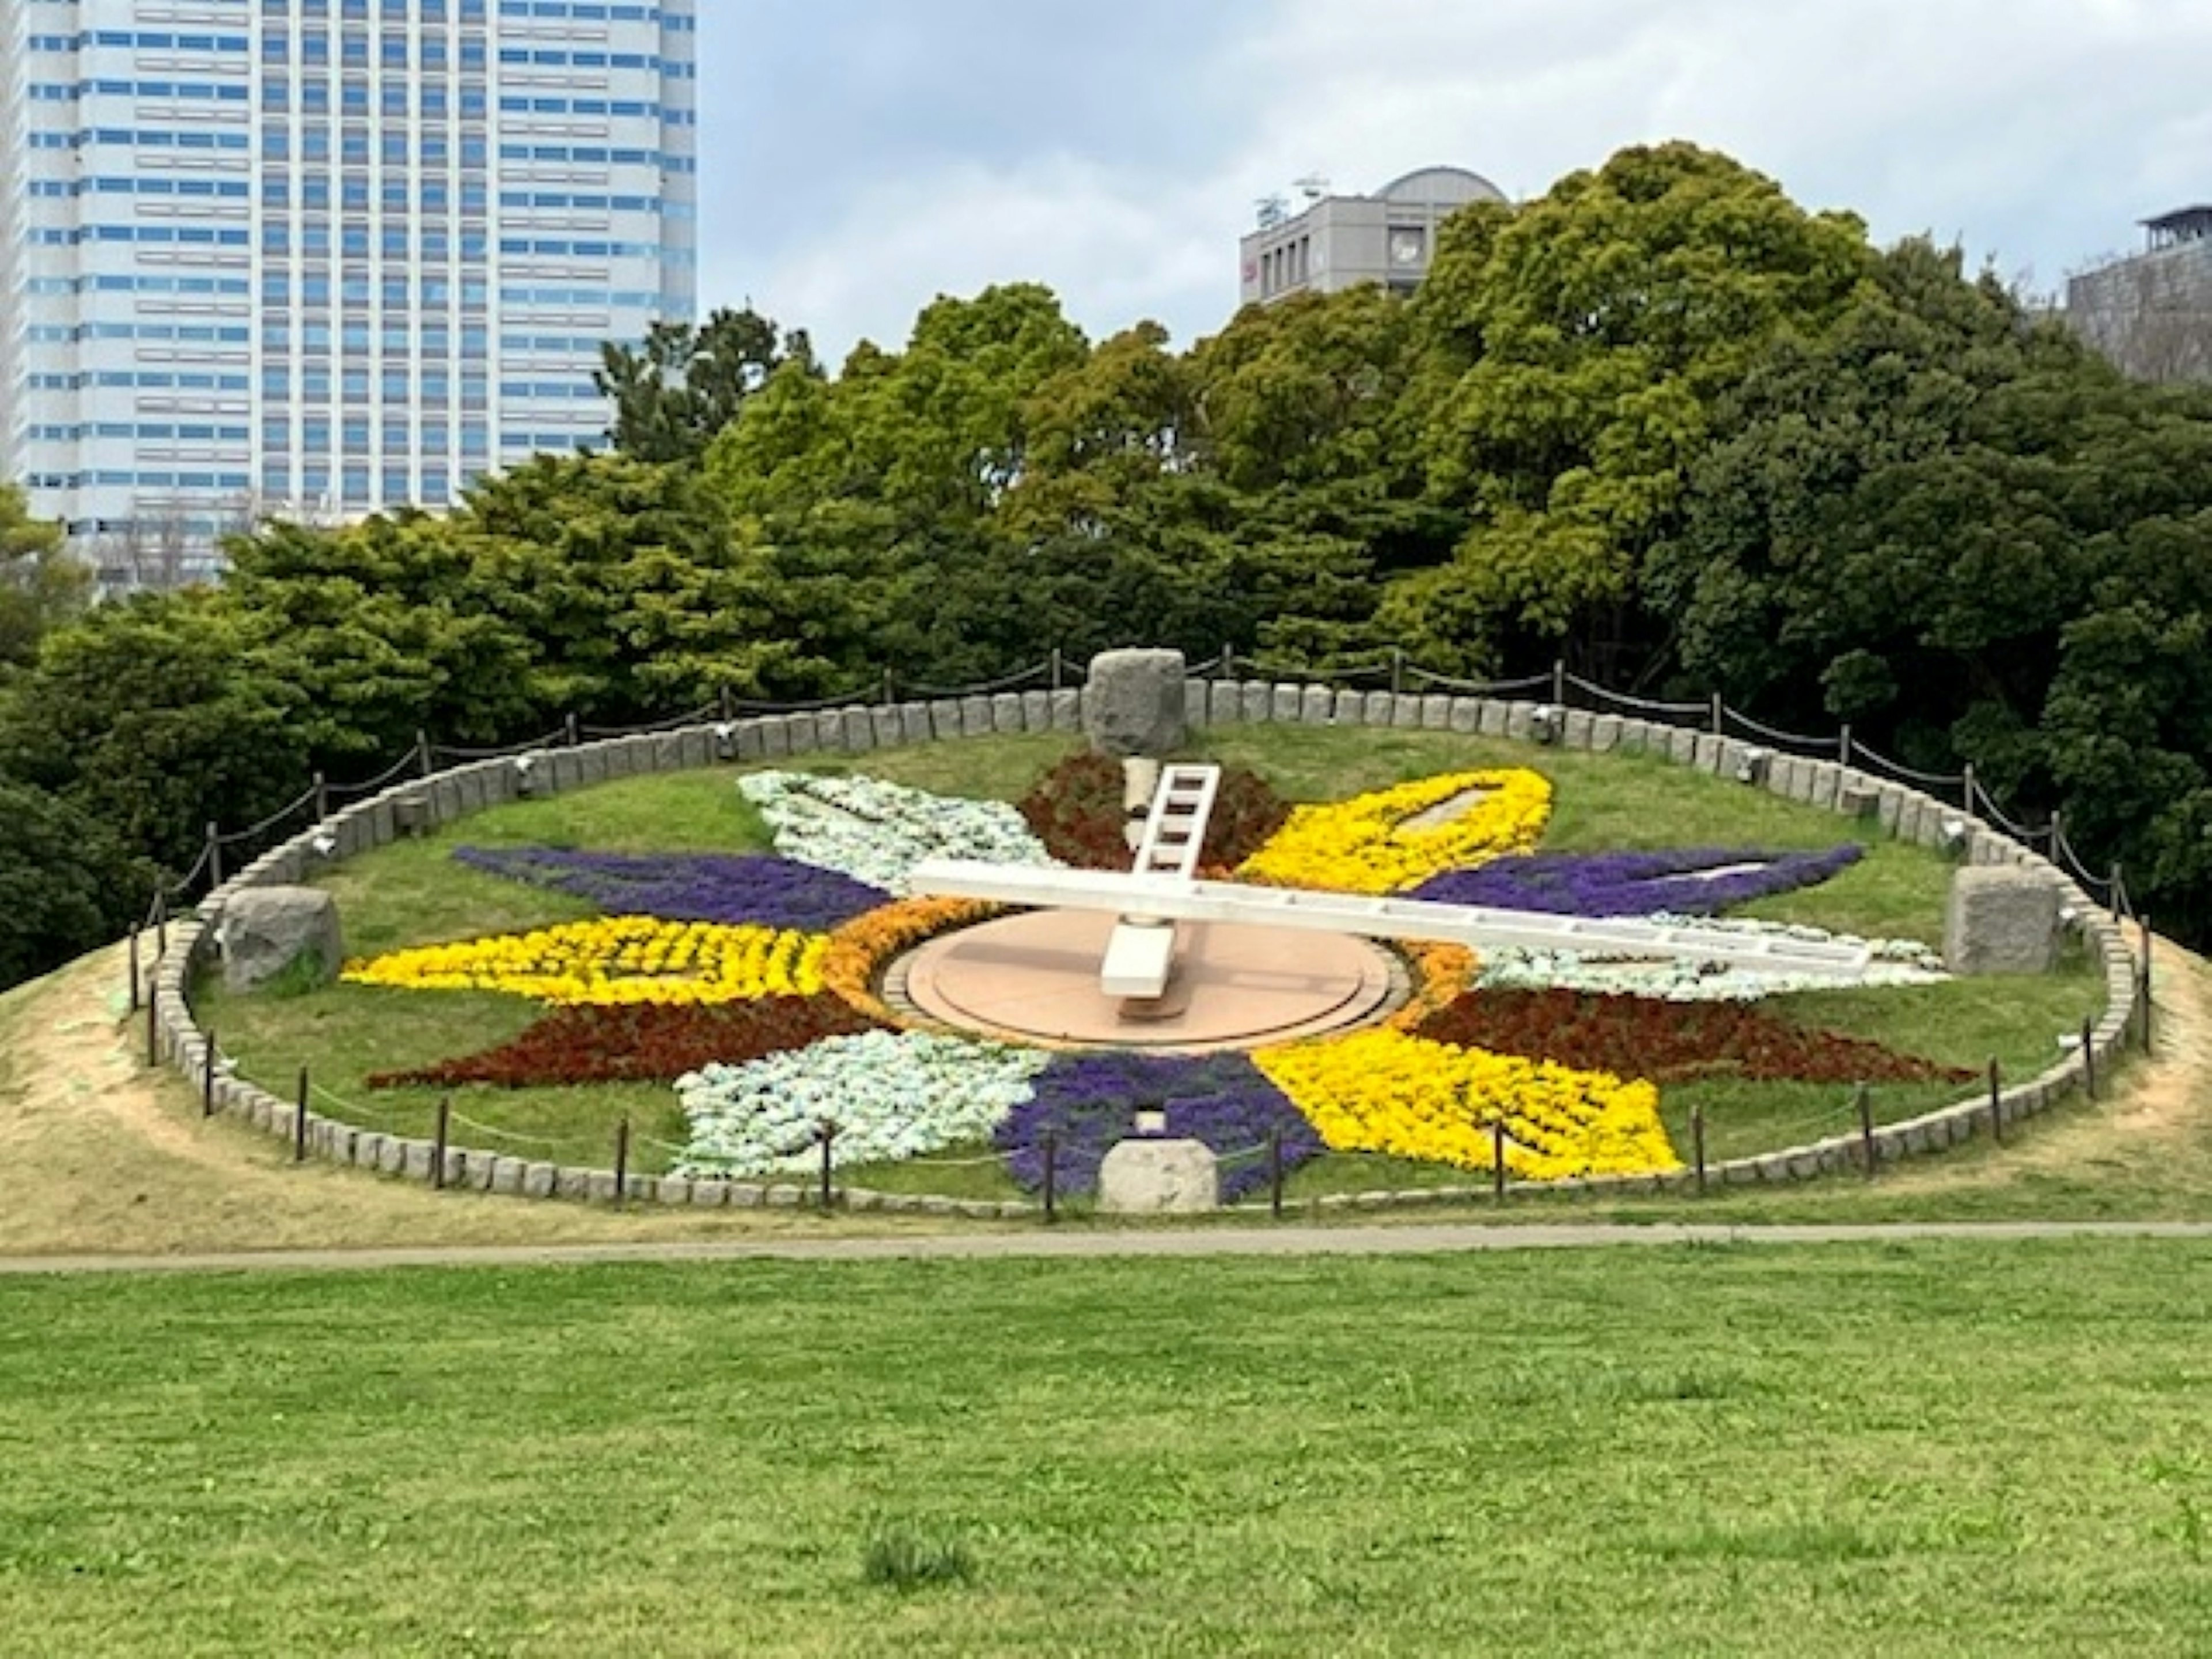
{"type": "Point", "coordinates": [322, 257]}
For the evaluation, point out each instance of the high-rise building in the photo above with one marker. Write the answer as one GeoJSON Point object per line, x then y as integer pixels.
{"type": "Point", "coordinates": [323, 257]}
{"type": "Point", "coordinates": [1339, 241]}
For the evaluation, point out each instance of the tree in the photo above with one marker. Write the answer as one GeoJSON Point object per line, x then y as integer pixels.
{"type": "Point", "coordinates": [682, 384]}
{"type": "Point", "coordinates": [1578, 345]}
{"type": "Point", "coordinates": [151, 716]}
{"type": "Point", "coordinates": [66, 886]}
{"type": "Point", "coordinates": [41, 583]}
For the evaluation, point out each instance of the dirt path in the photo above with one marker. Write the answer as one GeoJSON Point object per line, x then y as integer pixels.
{"type": "Point", "coordinates": [104, 1162]}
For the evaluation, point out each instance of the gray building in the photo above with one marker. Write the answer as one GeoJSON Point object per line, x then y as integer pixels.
{"type": "Point", "coordinates": [2150, 313]}
{"type": "Point", "coordinates": [1341, 241]}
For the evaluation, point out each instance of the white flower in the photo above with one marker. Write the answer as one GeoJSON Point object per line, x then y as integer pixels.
{"type": "Point", "coordinates": [1896, 961]}
{"type": "Point", "coordinates": [892, 1094]}
{"type": "Point", "coordinates": [877, 832]}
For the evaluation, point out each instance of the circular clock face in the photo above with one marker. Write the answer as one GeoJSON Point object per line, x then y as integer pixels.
{"type": "Point", "coordinates": [1406, 248]}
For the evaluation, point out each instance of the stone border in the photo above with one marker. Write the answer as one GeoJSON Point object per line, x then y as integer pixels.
{"type": "Point", "coordinates": [420, 805]}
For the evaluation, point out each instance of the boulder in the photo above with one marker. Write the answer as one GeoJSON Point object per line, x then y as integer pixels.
{"type": "Point", "coordinates": [2001, 920]}
{"type": "Point", "coordinates": [265, 930]}
{"type": "Point", "coordinates": [1133, 703]}
{"type": "Point", "coordinates": [1150, 1177]}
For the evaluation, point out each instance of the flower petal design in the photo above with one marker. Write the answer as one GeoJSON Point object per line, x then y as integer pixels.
{"type": "Point", "coordinates": [1375, 843]}
{"type": "Point", "coordinates": [615, 959]}
{"type": "Point", "coordinates": [1640, 1037]}
{"type": "Point", "coordinates": [892, 1094]}
{"type": "Point", "coordinates": [735, 890]}
{"type": "Point", "coordinates": [1085, 1103]}
{"type": "Point", "coordinates": [877, 832]}
{"type": "Point", "coordinates": [1694, 882]}
{"type": "Point", "coordinates": [1386, 1091]}
{"type": "Point", "coordinates": [640, 1043]}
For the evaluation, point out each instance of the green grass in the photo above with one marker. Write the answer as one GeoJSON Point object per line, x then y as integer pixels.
{"type": "Point", "coordinates": [413, 893]}
{"type": "Point", "coordinates": [1917, 1450]}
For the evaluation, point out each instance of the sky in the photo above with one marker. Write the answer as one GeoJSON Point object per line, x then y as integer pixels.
{"type": "Point", "coordinates": [861, 157]}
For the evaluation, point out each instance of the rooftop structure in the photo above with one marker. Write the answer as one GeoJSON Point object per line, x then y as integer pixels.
{"type": "Point", "coordinates": [1337, 242]}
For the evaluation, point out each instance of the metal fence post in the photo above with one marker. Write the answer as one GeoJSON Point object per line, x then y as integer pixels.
{"type": "Point", "coordinates": [1720, 713]}
{"type": "Point", "coordinates": [300, 1122]}
{"type": "Point", "coordinates": [828, 1131]}
{"type": "Point", "coordinates": [1275, 1173]}
{"type": "Point", "coordinates": [1997, 1109]}
{"type": "Point", "coordinates": [444, 1138]}
{"type": "Point", "coordinates": [1864, 1101]}
{"type": "Point", "coordinates": [215, 856]}
{"type": "Point", "coordinates": [622, 1158]}
{"type": "Point", "coordinates": [1698, 1143]}
{"type": "Point", "coordinates": [207, 1078]}
{"type": "Point", "coordinates": [1559, 682]}
{"type": "Point", "coordinates": [423, 763]}
{"type": "Point", "coordinates": [1844, 744]}
{"type": "Point", "coordinates": [1051, 1178]}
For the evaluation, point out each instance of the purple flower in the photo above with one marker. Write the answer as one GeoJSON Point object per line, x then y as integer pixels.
{"type": "Point", "coordinates": [1088, 1102]}
{"type": "Point", "coordinates": [1693, 882]}
{"type": "Point", "coordinates": [736, 889]}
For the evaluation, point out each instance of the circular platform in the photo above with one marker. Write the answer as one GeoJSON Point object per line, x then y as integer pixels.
{"type": "Point", "coordinates": [1033, 977]}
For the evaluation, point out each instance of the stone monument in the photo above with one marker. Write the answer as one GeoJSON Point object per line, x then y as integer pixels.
{"type": "Point", "coordinates": [265, 930]}
{"type": "Point", "coordinates": [1133, 703]}
{"type": "Point", "coordinates": [1145, 1175]}
{"type": "Point", "coordinates": [2001, 919]}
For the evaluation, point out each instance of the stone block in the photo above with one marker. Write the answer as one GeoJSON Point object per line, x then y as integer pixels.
{"type": "Point", "coordinates": [1436, 712]}
{"type": "Point", "coordinates": [539, 1179]}
{"type": "Point", "coordinates": [1257, 699]}
{"type": "Point", "coordinates": [1493, 717]}
{"type": "Point", "coordinates": [1604, 733]}
{"type": "Point", "coordinates": [1224, 703]}
{"type": "Point", "coordinates": [1575, 728]}
{"type": "Point", "coordinates": [944, 720]}
{"type": "Point", "coordinates": [511, 1177]}
{"type": "Point", "coordinates": [2001, 921]}
{"type": "Point", "coordinates": [829, 728]}
{"type": "Point", "coordinates": [1137, 702]}
{"type": "Point", "coordinates": [1006, 718]}
{"type": "Point", "coordinates": [672, 1190]}
{"type": "Point", "coordinates": [457, 1168]}
{"type": "Point", "coordinates": [1406, 711]}
{"type": "Point", "coordinates": [446, 803]}
{"type": "Point", "coordinates": [887, 726]}
{"type": "Point", "coordinates": [1465, 716]}
{"type": "Point", "coordinates": [1710, 752]}
{"type": "Point", "coordinates": [1068, 708]}
{"type": "Point", "coordinates": [1037, 711]}
{"type": "Point", "coordinates": [1520, 721]}
{"type": "Point", "coordinates": [1148, 1176]}
{"type": "Point", "coordinates": [696, 748]}
{"type": "Point", "coordinates": [975, 720]}
{"type": "Point", "coordinates": [856, 730]}
{"type": "Point", "coordinates": [915, 725]}
{"type": "Point", "coordinates": [264, 931]}
{"type": "Point", "coordinates": [1351, 707]}
{"type": "Point", "coordinates": [710, 1195]}
{"type": "Point", "coordinates": [1316, 706]}
{"type": "Point", "coordinates": [416, 1159]}
{"type": "Point", "coordinates": [1377, 708]}
{"type": "Point", "coordinates": [599, 1186]}
{"type": "Point", "coordinates": [1681, 746]}
{"type": "Point", "coordinates": [484, 1171]}
{"type": "Point", "coordinates": [591, 764]}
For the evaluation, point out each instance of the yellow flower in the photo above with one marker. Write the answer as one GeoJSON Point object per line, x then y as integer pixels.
{"type": "Point", "coordinates": [1386, 1091]}
{"type": "Point", "coordinates": [615, 960]}
{"type": "Point", "coordinates": [1363, 845]}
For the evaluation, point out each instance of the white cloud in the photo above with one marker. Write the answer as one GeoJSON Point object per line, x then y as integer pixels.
{"type": "Point", "coordinates": [2035, 131]}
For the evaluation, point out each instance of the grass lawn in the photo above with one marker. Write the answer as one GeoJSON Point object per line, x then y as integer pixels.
{"type": "Point", "coordinates": [1925, 1449]}
{"type": "Point", "coordinates": [413, 893]}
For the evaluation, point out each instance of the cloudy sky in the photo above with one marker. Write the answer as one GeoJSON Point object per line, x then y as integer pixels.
{"type": "Point", "coordinates": [862, 157]}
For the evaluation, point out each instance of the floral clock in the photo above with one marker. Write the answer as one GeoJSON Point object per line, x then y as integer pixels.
{"type": "Point", "coordinates": [751, 984]}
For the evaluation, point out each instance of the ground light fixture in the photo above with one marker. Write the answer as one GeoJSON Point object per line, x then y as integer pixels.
{"type": "Point", "coordinates": [1547, 723]}
{"type": "Point", "coordinates": [1753, 765]}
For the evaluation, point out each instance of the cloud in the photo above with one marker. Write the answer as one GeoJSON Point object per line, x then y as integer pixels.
{"type": "Point", "coordinates": [885, 153]}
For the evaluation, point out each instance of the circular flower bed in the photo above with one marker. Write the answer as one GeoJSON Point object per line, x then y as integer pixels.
{"type": "Point", "coordinates": [751, 985]}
